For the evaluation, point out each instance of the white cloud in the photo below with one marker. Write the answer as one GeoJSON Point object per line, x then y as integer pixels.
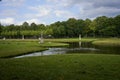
{"type": "Point", "coordinates": [63, 13]}
{"type": "Point", "coordinates": [35, 21]}
{"type": "Point", "coordinates": [89, 8]}
{"type": "Point", "coordinates": [100, 11]}
{"type": "Point", "coordinates": [41, 11]}
{"type": "Point", "coordinates": [60, 3]}
{"type": "Point", "coordinates": [38, 11]}
{"type": "Point", "coordinates": [7, 21]}
{"type": "Point", "coordinates": [55, 1]}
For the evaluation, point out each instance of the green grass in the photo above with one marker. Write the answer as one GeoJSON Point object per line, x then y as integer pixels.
{"type": "Point", "coordinates": [11, 48]}
{"type": "Point", "coordinates": [62, 67]}
{"type": "Point", "coordinates": [17, 48]}
{"type": "Point", "coordinates": [71, 40]}
{"type": "Point", "coordinates": [57, 67]}
{"type": "Point", "coordinates": [54, 40]}
{"type": "Point", "coordinates": [53, 44]}
{"type": "Point", "coordinates": [107, 41]}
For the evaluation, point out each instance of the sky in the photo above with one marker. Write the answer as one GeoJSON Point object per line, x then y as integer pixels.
{"type": "Point", "coordinates": [50, 11]}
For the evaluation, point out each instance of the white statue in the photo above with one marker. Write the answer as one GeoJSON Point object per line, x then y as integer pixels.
{"type": "Point", "coordinates": [4, 38]}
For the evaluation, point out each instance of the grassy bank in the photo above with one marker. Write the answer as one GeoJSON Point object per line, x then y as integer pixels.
{"type": "Point", "coordinates": [107, 41]}
{"type": "Point", "coordinates": [8, 48]}
{"type": "Point", "coordinates": [57, 67]}
{"type": "Point", "coordinates": [54, 40]}
{"type": "Point", "coordinates": [13, 47]}
{"type": "Point", "coordinates": [18, 47]}
{"type": "Point", "coordinates": [62, 67]}
{"type": "Point", "coordinates": [71, 40]}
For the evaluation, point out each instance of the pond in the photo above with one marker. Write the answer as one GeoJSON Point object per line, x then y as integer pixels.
{"type": "Point", "coordinates": [77, 47]}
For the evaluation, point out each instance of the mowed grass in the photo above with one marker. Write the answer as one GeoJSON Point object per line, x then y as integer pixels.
{"type": "Point", "coordinates": [107, 42]}
{"type": "Point", "coordinates": [56, 67]}
{"type": "Point", "coordinates": [16, 48]}
{"type": "Point", "coordinates": [62, 67]}
{"type": "Point", "coordinates": [71, 40]}
{"type": "Point", "coordinates": [54, 40]}
{"type": "Point", "coordinates": [11, 48]}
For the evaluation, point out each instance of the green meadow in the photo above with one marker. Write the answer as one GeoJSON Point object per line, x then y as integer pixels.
{"type": "Point", "coordinates": [107, 41]}
{"type": "Point", "coordinates": [57, 67]}
{"type": "Point", "coordinates": [19, 47]}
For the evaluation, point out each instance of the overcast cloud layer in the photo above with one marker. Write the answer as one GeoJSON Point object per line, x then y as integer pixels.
{"type": "Point", "coordinates": [49, 11]}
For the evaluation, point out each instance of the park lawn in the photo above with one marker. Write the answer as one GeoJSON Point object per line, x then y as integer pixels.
{"type": "Point", "coordinates": [107, 41]}
{"type": "Point", "coordinates": [62, 67]}
{"type": "Point", "coordinates": [56, 67]}
{"type": "Point", "coordinates": [71, 40]}
{"type": "Point", "coordinates": [54, 44]}
{"type": "Point", "coordinates": [54, 40]}
{"type": "Point", "coordinates": [8, 48]}
{"type": "Point", "coordinates": [12, 48]}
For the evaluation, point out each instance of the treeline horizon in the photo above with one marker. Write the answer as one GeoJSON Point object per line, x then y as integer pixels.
{"type": "Point", "coordinates": [102, 26]}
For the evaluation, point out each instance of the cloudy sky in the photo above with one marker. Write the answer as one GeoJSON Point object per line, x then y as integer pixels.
{"type": "Point", "coordinates": [49, 11]}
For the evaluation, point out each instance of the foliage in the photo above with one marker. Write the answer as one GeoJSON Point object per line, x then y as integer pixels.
{"type": "Point", "coordinates": [100, 27]}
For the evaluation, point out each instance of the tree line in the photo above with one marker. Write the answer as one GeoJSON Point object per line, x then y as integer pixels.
{"type": "Point", "coordinates": [102, 26]}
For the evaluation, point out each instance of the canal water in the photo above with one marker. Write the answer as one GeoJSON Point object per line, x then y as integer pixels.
{"type": "Point", "coordinates": [77, 48]}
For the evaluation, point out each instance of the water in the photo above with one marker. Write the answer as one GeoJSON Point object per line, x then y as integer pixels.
{"type": "Point", "coordinates": [77, 47]}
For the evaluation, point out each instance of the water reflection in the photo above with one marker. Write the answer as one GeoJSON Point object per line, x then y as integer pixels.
{"type": "Point", "coordinates": [80, 44]}
{"type": "Point", "coordinates": [109, 49]}
{"type": "Point", "coordinates": [77, 47]}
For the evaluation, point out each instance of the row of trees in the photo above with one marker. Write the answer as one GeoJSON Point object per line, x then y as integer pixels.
{"type": "Point", "coordinates": [100, 27]}
{"type": "Point", "coordinates": [29, 31]}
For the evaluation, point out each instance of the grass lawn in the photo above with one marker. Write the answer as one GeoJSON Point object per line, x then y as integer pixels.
{"type": "Point", "coordinates": [71, 40]}
{"type": "Point", "coordinates": [107, 41]}
{"type": "Point", "coordinates": [62, 67]}
{"type": "Point", "coordinates": [13, 47]}
{"type": "Point", "coordinates": [18, 47]}
{"type": "Point", "coordinates": [57, 67]}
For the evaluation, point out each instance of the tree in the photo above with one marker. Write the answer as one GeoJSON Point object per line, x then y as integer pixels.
{"type": "Point", "coordinates": [86, 27]}
{"type": "Point", "coordinates": [33, 26]}
{"type": "Point", "coordinates": [1, 29]}
{"type": "Point", "coordinates": [109, 31]}
{"type": "Point", "coordinates": [71, 26]}
{"type": "Point", "coordinates": [11, 27]}
{"type": "Point", "coordinates": [92, 27]}
{"type": "Point", "coordinates": [101, 23]}
{"type": "Point", "coordinates": [25, 26]}
{"type": "Point", "coordinates": [49, 31]}
{"type": "Point", "coordinates": [117, 24]}
{"type": "Point", "coordinates": [100, 27]}
{"type": "Point", "coordinates": [81, 27]}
